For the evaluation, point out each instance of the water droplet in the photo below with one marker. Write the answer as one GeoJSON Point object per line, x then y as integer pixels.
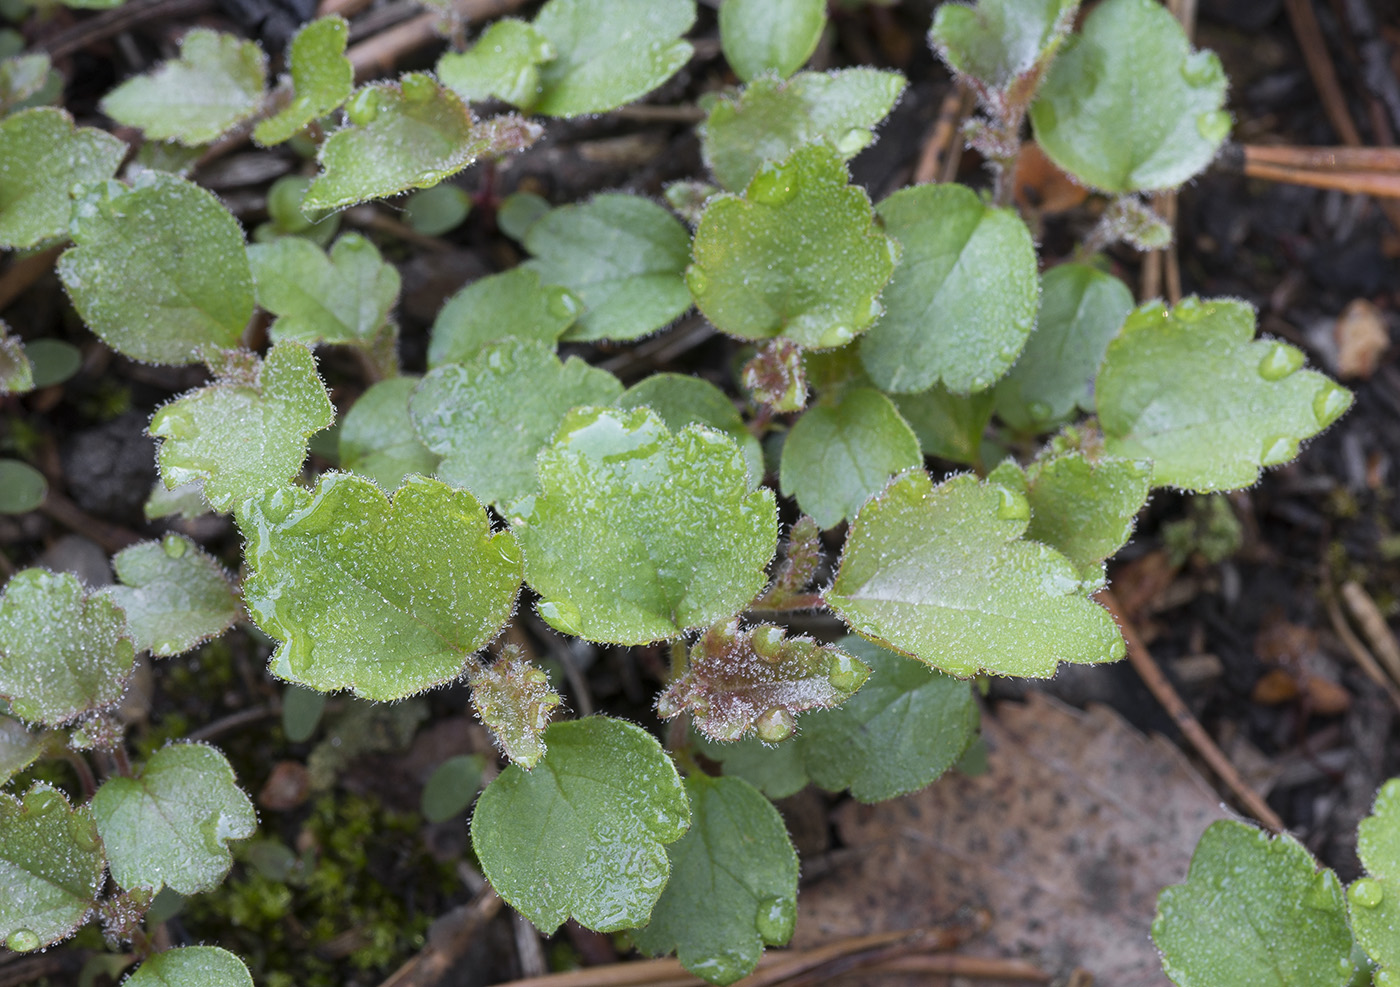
{"type": "Point", "coordinates": [22, 941]}
{"type": "Point", "coordinates": [1189, 310]}
{"type": "Point", "coordinates": [507, 548]}
{"type": "Point", "coordinates": [772, 186]}
{"type": "Point", "coordinates": [697, 280]}
{"type": "Point", "coordinates": [775, 920]}
{"type": "Point", "coordinates": [562, 615]}
{"type": "Point", "coordinates": [418, 88]}
{"type": "Point", "coordinates": [846, 674]}
{"type": "Point", "coordinates": [1280, 361]}
{"type": "Point", "coordinates": [775, 725]}
{"type": "Point", "coordinates": [1344, 966]}
{"type": "Point", "coordinates": [1040, 411]}
{"type": "Point", "coordinates": [363, 107]}
{"type": "Point", "coordinates": [1012, 506]}
{"type": "Point", "coordinates": [1368, 892]}
{"type": "Point", "coordinates": [1202, 69]}
{"type": "Point", "coordinates": [852, 141]}
{"type": "Point", "coordinates": [836, 336]}
{"type": "Point", "coordinates": [1383, 978]}
{"type": "Point", "coordinates": [1329, 403]}
{"type": "Point", "coordinates": [1214, 126]}
{"type": "Point", "coordinates": [563, 304]}
{"type": "Point", "coordinates": [1278, 450]}
{"type": "Point", "coordinates": [175, 546]}
{"type": "Point", "coordinates": [1325, 892]}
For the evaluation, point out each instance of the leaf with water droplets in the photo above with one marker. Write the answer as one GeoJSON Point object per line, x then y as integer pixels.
{"type": "Point", "coordinates": [760, 36]}
{"type": "Point", "coordinates": [490, 417]}
{"type": "Point", "coordinates": [248, 430]}
{"type": "Point", "coordinates": [340, 578]}
{"type": "Point", "coordinates": [733, 886]}
{"type": "Point", "coordinates": [622, 255]}
{"type": "Point", "coordinates": [16, 371]}
{"type": "Point", "coordinates": [512, 303]}
{"type": "Point", "coordinates": [159, 271]}
{"type": "Point", "coordinates": [948, 425]}
{"type": "Point", "coordinates": [682, 400]}
{"type": "Point", "coordinates": [963, 297]}
{"type": "Point", "coordinates": [1195, 393]}
{"type": "Point", "coordinates": [19, 748]}
{"type": "Point", "coordinates": [997, 42]}
{"type": "Point", "coordinates": [42, 157]}
{"type": "Point", "coordinates": [28, 80]}
{"type": "Point", "coordinates": [765, 121]}
{"type": "Point", "coordinates": [638, 534]}
{"type": "Point", "coordinates": [191, 966]}
{"type": "Point", "coordinates": [1127, 106]}
{"type": "Point", "coordinates": [215, 84]}
{"type": "Point", "coordinates": [798, 255]}
{"type": "Point", "coordinates": [377, 439]}
{"type": "Point", "coordinates": [345, 297]}
{"type": "Point", "coordinates": [1254, 910]}
{"type": "Point", "coordinates": [514, 700]}
{"type": "Point", "coordinates": [63, 651]}
{"type": "Point", "coordinates": [945, 575]}
{"type": "Point", "coordinates": [175, 596]}
{"type": "Point", "coordinates": [583, 834]}
{"type": "Point", "coordinates": [1375, 898]}
{"type": "Point", "coordinates": [51, 868]}
{"type": "Point", "coordinates": [169, 824]}
{"type": "Point", "coordinates": [322, 78]}
{"type": "Point", "coordinates": [503, 63]}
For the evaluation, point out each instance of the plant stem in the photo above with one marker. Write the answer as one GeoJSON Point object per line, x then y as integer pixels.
{"type": "Point", "coordinates": [86, 779]}
{"type": "Point", "coordinates": [121, 760]}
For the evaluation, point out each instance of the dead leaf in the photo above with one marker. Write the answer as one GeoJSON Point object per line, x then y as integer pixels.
{"type": "Point", "coordinates": [1361, 337]}
{"type": "Point", "coordinates": [1042, 188]}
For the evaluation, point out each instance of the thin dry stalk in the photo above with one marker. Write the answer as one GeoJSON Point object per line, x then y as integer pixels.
{"type": "Point", "coordinates": [1372, 622]}
{"type": "Point", "coordinates": [1358, 651]}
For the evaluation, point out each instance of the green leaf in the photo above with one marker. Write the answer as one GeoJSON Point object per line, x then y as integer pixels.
{"type": "Point", "coordinates": [340, 578]}
{"type": "Point", "coordinates": [609, 52]}
{"type": "Point", "coordinates": [175, 596]}
{"type": "Point", "coordinates": [1081, 310]}
{"type": "Point", "coordinates": [769, 119]}
{"type": "Point", "coordinates": [998, 41]}
{"type": "Point", "coordinates": [1127, 106]}
{"type": "Point", "coordinates": [733, 884]}
{"type": "Point", "coordinates": [944, 575]}
{"type": "Point", "coordinates": [799, 255]}
{"type": "Point", "coordinates": [621, 544]}
{"type": "Point", "coordinates": [514, 700]}
{"type": "Point", "coordinates": [512, 303]}
{"type": "Point", "coordinates": [948, 425]}
{"type": "Point", "coordinates": [247, 431]}
{"type": "Point", "coordinates": [170, 824]}
{"type": "Point", "coordinates": [185, 501]}
{"type": "Point", "coordinates": [19, 748]}
{"type": "Point", "coordinates": [28, 80]}
{"type": "Point", "coordinates": [761, 36]}
{"type": "Point", "coordinates": [777, 770]}
{"type": "Point", "coordinates": [452, 787]}
{"type": "Point", "coordinates": [843, 450]}
{"type": "Point", "coordinates": [215, 84]}
{"type": "Point", "coordinates": [322, 78]}
{"type": "Point", "coordinates": [682, 400]}
{"type": "Point", "coordinates": [22, 487]}
{"type": "Point", "coordinates": [518, 212]}
{"type": "Point", "coordinates": [51, 867]}
{"type": "Point", "coordinates": [1254, 910]}
{"type": "Point", "coordinates": [42, 157]}
{"type": "Point", "coordinates": [941, 322]}
{"type": "Point", "coordinates": [1375, 899]}
{"type": "Point", "coordinates": [54, 361]}
{"type": "Point", "coordinates": [583, 835]}
{"type": "Point", "coordinates": [301, 712]}
{"type": "Point", "coordinates": [490, 417]}
{"type": "Point", "coordinates": [1194, 392]}
{"type": "Point", "coordinates": [622, 255]}
{"type": "Point", "coordinates": [159, 271]}
{"type": "Point", "coordinates": [192, 966]}
{"type": "Point", "coordinates": [377, 439]}
{"type": "Point", "coordinates": [343, 298]}
{"type": "Point", "coordinates": [437, 210]}
{"type": "Point", "coordinates": [504, 64]}
{"type": "Point", "coordinates": [63, 651]}
{"type": "Point", "coordinates": [16, 371]}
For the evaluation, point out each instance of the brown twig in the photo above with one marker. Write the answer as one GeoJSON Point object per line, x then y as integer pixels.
{"type": "Point", "coordinates": [448, 939]}
{"type": "Point", "coordinates": [112, 537]}
{"type": "Point", "coordinates": [378, 54]}
{"type": "Point", "coordinates": [113, 22]}
{"type": "Point", "coordinates": [1162, 264]}
{"type": "Point", "coordinates": [1376, 184]}
{"type": "Point", "coordinates": [234, 721]}
{"type": "Point", "coordinates": [1369, 618]}
{"type": "Point", "coordinates": [1358, 651]}
{"type": "Point", "coordinates": [944, 136]}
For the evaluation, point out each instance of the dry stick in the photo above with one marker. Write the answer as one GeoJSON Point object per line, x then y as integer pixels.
{"type": "Point", "coordinates": [1373, 625]}
{"type": "Point", "coordinates": [941, 138]}
{"type": "Point", "coordinates": [1384, 159]}
{"type": "Point", "coordinates": [1164, 203]}
{"type": "Point", "coordinates": [112, 537]}
{"type": "Point", "coordinates": [1358, 651]}
{"type": "Point", "coordinates": [379, 53]}
{"type": "Point", "coordinates": [1152, 676]}
{"type": "Point", "coordinates": [1373, 183]}
{"type": "Point", "coordinates": [117, 20]}
{"type": "Point", "coordinates": [447, 945]}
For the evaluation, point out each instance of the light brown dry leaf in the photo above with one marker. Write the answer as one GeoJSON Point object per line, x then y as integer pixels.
{"type": "Point", "coordinates": [1361, 337]}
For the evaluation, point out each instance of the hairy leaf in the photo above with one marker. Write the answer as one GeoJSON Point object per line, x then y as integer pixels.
{"type": "Point", "coordinates": [377, 439]}
{"type": "Point", "coordinates": [343, 298]}
{"type": "Point", "coordinates": [514, 700]}
{"type": "Point", "coordinates": [1375, 899]}
{"type": "Point", "coordinates": [16, 370]}
{"type": "Point", "coordinates": [175, 596]}
{"type": "Point", "coordinates": [503, 63]}
{"type": "Point", "coordinates": [948, 425]}
{"type": "Point", "coordinates": [998, 41]}
{"type": "Point", "coordinates": [683, 400]}
{"type": "Point", "coordinates": [19, 748]}
{"type": "Point", "coordinates": [512, 303]}
{"type": "Point", "coordinates": [778, 36]}
{"type": "Point", "coordinates": [1085, 505]}
{"type": "Point", "coordinates": [28, 80]}
{"type": "Point", "coordinates": [42, 157]}
{"type": "Point", "coordinates": [322, 78]}
{"type": "Point", "coordinates": [191, 966]}
{"type": "Point", "coordinates": [51, 868]}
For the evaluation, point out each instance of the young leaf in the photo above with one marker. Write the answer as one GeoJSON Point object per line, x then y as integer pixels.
{"type": "Point", "coordinates": [1083, 505]}
{"type": "Point", "coordinates": [512, 303]}
{"type": "Point", "coordinates": [941, 323]}
{"type": "Point", "coordinates": [191, 966]}
{"type": "Point", "coordinates": [622, 255]}
{"type": "Point", "coordinates": [609, 52]}
{"type": "Point", "coordinates": [802, 556]}
{"type": "Point", "coordinates": [19, 748]}
{"type": "Point", "coordinates": [998, 41]}
{"type": "Point", "coordinates": [944, 575]}
{"type": "Point", "coordinates": [322, 78]}
{"type": "Point", "coordinates": [159, 271]}
{"type": "Point", "coordinates": [518, 212]}
{"type": "Point", "coordinates": [1081, 310]}
{"type": "Point", "coordinates": [1254, 910]}
{"type": "Point", "coordinates": [215, 84]}
{"type": "Point", "coordinates": [340, 578]}
{"type": "Point", "coordinates": [63, 651]}
{"type": "Point", "coordinates": [1127, 106]}
{"type": "Point", "coordinates": [799, 255]}
{"type": "Point", "coordinates": [769, 119]}
{"type": "Point", "coordinates": [343, 298]}
{"type": "Point", "coordinates": [42, 157]}
{"type": "Point", "coordinates": [583, 835]}
{"type": "Point", "coordinates": [437, 210]}
{"type": "Point", "coordinates": [1375, 899]}
{"type": "Point", "coordinates": [27, 80]}
{"type": "Point", "coordinates": [778, 36]}
{"type": "Point", "coordinates": [843, 450]}
{"type": "Point", "coordinates": [733, 884]}
{"type": "Point", "coordinates": [683, 400]}
{"type": "Point", "coordinates": [774, 769]}
{"type": "Point", "coordinates": [16, 372]}
{"type": "Point", "coordinates": [1194, 392]}
{"type": "Point", "coordinates": [514, 700]}
{"type": "Point", "coordinates": [452, 787]}
{"type": "Point", "coordinates": [175, 596]}
{"type": "Point", "coordinates": [758, 680]}
{"type": "Point", "coordinates": [504, 63]}
{"type": "Point", "coordinates": [377, 439]}
{"type": "Point", "coordinates": [948, 425]}
{"type": "Point", "coordinates": [51, 867]}
{"type": "Point", "coordinates": [776, 377]}
{"type": "Point", "coordinates": [639, 535]}
{"type": "Point", "coordinates": [169, 825]}
{"type": "Point", "coordinates": [22, 487]}
{"type": "Point", "coordinates": [490, 417]}
{"type": "Point", "coordinates": [247, 431]}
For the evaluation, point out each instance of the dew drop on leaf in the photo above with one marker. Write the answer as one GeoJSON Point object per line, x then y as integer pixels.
{"type": "Point", "coordinates": [853, 141]}
{"type": "Point", "coordinates": [1368, 893]}
{"type": "Point", "coordinates": [561, 615]}
{"type": "Point", "coordinates": [1329, 403]}
{"type": "Point", "coordinates": [174, 546]}
{"type": "Point", "coordinates": [1277, 451]}
{"type": "Point", "coordinates": [775, 725]}
{"type": "Point", "coordinates": [418, 88]}
{"type": "Point", "coordinates": [22, 941]}
{"type": "Point", "coordinates": [1280, 361]}
{"type": "Point", "coordinates": [363, 107]}
{"type": "Point", "coordinates": [772, 186]}
{"type": "Point", "coordinates": [775, 919]}
{"type": "Point", "coordinates": [1013, 506]}
{"type": "Point", "coordinates": [697, 280]}
{"type": "Point", "coordinates": [1189, 309]}
{"type": "Point", "coordinates": [1214, 125]}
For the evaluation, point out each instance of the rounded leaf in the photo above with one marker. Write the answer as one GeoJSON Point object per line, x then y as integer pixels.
{"type": "Point", "coordinates": [322, 78]}
{"type": "Point", "coordinates": [513, 303]}
{"type": "Point", "coordinates": [377, 439]}
{"type": "Point", "coordinates": [770, 35]}
{"type": "Point", "coordinates": [176, 596]}
{"type": "Point", "coordinates": [1375, 899]}
{"type": "Point", "coordinates": [43, 156]}
{"type": "Point", "coordinates": [191, 966]}
{"type": "Point", "coordinates": [51, 867]}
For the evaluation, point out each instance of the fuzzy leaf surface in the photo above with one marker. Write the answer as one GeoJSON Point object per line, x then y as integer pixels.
{"type": "Point", "coordinates": [1254, 911]}
{"type": "Point", "coordinates": [51, 868]}
{"type": "Point", "coordinates": [948, 425]}
{"type": "Point", "coordinates": [997, 41]}
{"type": "Point", "coordinates": [27, 80]}
{"type": "Point", "coordinates": [42, 157]}
{"type": "Point", "coordinates": [340, 578]}
{"type": "Point", "coordinates": [513, 303]}
{"type": "Point", "coordinates": [1375, 899]}
{"type": "Point", "coordinates": [169, 825]}
{"type": "Point", "coordinates": [682, 400]}
{"type": "Point", "coordinates": [159, 271]}
{"type": "Point", "coordinates": [19, 748]}
{"type": "Point", "coordinates": [733, 886]}
{"type": "Point", "coordinates": [1210, 406]}
{"type": "Point", "coordinates": [621, 542]}
{"type": "Point", "coordinates": [192, 966]}
{"type": "Point", "coordinates": [16, 370]}
{"type": "Point", "coordinates": [345, 297]}
{"type": "Point", "coordinates": [1127, 106]}
{"type": "Point", "coordinates": [215, 84]}
{"type": "Point", "coordinates": [247, 431]}
{"type": "Point", "coordinates": [769, 119]}
{"type": "Point", "coordinates": [944, 575]}
{"type": "Point", "coordinates": [777, 36]}
{"type": "Point", "coordinates": [322, 79]}
{"type": "Point", "coordinates": [584, 833]}
{"type": "Point", "coordinates": [377, 439]}
{"type": "Point", "coordinates": [514, 700]}
{"type": "Point", "coordinates": [63, 651]}
{"type": "Point", "coordinates": [503, 63]}
{"type": "Point", "coordinates": [175, 595]}
{"type": "Point", "coordinates": [490, 417]}
{"type": "Point", "coordinates": [622, 255]}
{"type": "Point", "coordinates": [941, 322]}
{"type": "Point", "coordinates": [798, 255]}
